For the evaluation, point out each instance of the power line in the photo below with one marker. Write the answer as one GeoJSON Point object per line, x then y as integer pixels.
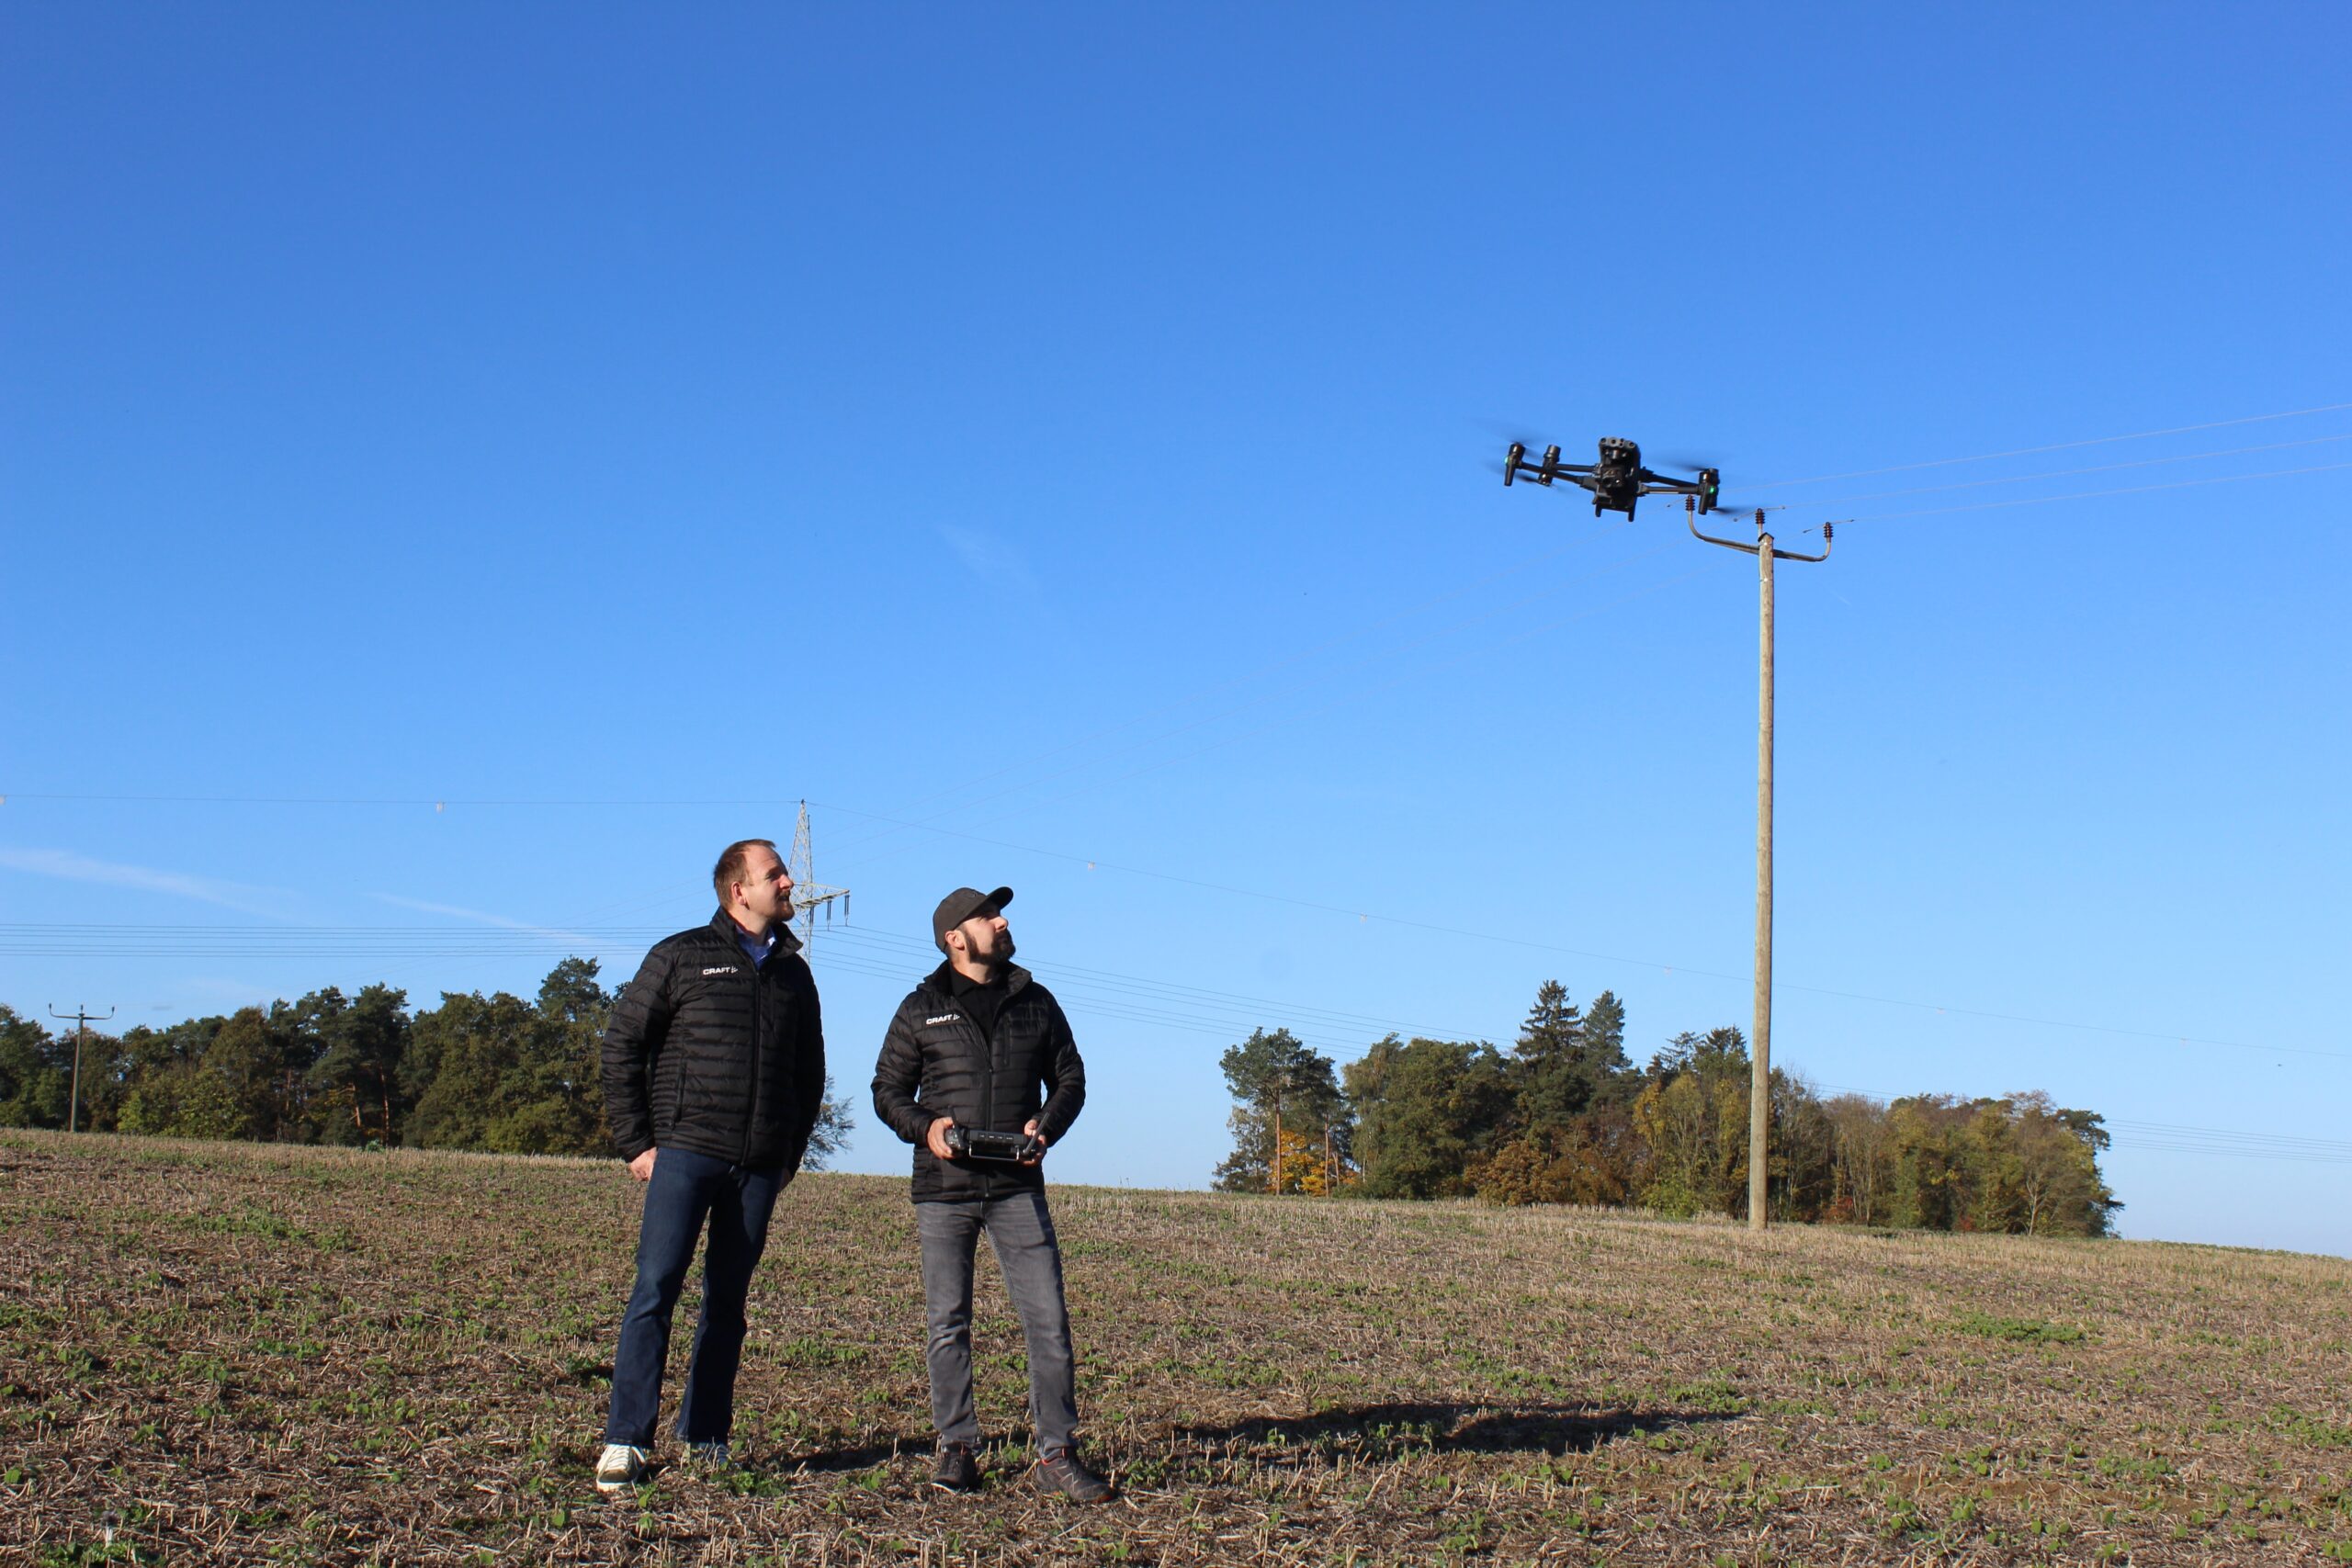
{"type": "Point", "coordinates": [1366, 915]}
{"type": "Point", "coordinates": [1134, 996]}
{"type": "Point", "coordinates": [2319, 1145]}
{"type": "Point", "coordinates": [1355, 695]}
{"type": "Point", "coordinates": [1388, 651]}
{"type": "Point", "coordinates": [1298, 657]}
{"type": "Point", "coordinates": [2059, 447]}
{"type": "Point", "coordinates": [2094, 494]}
{"type": "Point", "coordinates": [441, 803]}
{"type": "Point", "coordinates": [1085, 1007]}
{"type": "Point", "coordinates": [437, 804]}
{"type": "Point", "coordinates": [1140, 1006]}
{"type": "Point", "coordinates": [11, 938]}
{"type": "Point", "coordinates": [1063, 974]}
{"type": "Point", "coordinates": [2094, 468]}
{"type": "Point", "coordinates": [2171, 1138]}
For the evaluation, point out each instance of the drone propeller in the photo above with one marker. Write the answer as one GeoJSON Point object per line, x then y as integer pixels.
{"type": "Point", "coordinates": [1685, 460]}
{"type": "Point", "coordinates": [1510, 430]}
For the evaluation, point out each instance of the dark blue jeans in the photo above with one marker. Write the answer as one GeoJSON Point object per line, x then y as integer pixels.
{"type": "Point", "coordinates": [686, 1188]}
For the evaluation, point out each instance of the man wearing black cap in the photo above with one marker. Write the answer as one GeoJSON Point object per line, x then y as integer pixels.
{"type": "Point", "coordinates": [979, 1047]}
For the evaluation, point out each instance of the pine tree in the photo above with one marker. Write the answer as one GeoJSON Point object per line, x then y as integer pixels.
{"type": "Point", "coordinates": [1609, 1077]}
{"type": "Point", "coordinates": [1550, 1086]}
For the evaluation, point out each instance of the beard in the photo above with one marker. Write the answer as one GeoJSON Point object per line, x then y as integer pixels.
{"type": "Point", "coordinates": [1000, 951]}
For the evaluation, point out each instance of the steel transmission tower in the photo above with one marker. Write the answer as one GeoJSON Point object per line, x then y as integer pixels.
{"type": "Point", "coordinates": [808, 893]}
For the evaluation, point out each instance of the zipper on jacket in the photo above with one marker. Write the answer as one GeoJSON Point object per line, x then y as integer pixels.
{"type": "Point", "coordinates": [988, 1090]}
{"type": "Point", "coordinates": [751, 1110]}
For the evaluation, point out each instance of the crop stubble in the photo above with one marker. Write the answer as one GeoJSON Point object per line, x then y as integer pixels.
{"type": "Point", "coordinates": [216, 1353]}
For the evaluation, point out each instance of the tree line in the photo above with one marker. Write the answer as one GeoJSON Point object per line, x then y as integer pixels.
{"type": "Point", "coordinates": [1564, 1116]}
{"type": "Point", "coordinates": [492, 1072]}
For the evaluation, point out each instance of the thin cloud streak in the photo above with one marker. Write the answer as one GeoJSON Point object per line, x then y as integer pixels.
{"type": "Point", "coordinates": [987, 558]}
{"type": "Point", "coordinates": [64, 864]}
{"type": "Point", "coordinates": [586, 944]}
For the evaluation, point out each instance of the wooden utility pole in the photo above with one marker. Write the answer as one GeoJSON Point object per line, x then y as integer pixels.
{"type": "Point", "coordinates": [1759, 1088]}
{"type": "Point", "coordinates": [81, 1017]}
{"type": "Point", "coordinates": [1617, 481]}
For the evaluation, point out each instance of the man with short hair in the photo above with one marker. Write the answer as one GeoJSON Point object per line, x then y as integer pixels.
{"type": "Point", "coordinates": [979, 1047]}
{"type": "Point", "coordinates": [714, 1068]}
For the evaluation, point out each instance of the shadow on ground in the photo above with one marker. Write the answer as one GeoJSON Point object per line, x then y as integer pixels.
{"type": "Point", "coordinates": [1385, 1431]}
{"type": "Point", "coordinates": [1370, 1431]}
{"type": "Point", "coordinates": [883, 1447]}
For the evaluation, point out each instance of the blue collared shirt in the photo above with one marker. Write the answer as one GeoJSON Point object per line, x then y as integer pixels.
{"type": "Point", "coordinates": [756, 948]}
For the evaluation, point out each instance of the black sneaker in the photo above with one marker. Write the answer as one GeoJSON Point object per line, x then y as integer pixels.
{"type": "Point", "coordinates": [955, 1469]}
{"type": "Point", "coordinates": [1064, 1472]}
{"type": "Point", "coordinates": [710, 1457]}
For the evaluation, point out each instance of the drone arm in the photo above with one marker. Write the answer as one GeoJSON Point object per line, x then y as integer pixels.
{"type": "Point", "coordinates": [1572, 472]}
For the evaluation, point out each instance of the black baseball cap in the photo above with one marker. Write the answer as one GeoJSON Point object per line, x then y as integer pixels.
{"type": "Point", "coordinates": [961, 906]}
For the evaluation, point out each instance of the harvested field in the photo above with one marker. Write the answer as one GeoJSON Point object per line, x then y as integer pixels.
{"type": "Point", "coordinates": [258, 1354]}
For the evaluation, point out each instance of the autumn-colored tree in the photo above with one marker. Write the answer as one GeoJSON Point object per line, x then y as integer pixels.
{"type": "Point", "coordinates": [1559, 1119]}
{"type": "Point", "coordinates": [1307, 1165]}
{"type": "Point", "coordinates": [1279, 1086]}
{"type": "Point", "coordinates": [2059, 1185]}
{"type": "Point", "coordinates": [1862, 1160]}
{"type": "Point", "coordinates": [2018, 1164]}
{"type": "Point", "coordinates": [1693, 1115]}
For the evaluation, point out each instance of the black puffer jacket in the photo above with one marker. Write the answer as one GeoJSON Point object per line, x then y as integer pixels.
{"type": "Point", "coordinates": [706, 1052]}
{"type": "Point", "coordinates": [937, 1061]}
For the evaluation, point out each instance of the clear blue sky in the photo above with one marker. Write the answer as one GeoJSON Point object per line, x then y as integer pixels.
{"type": "Point", "coordinates": [1079, 421]}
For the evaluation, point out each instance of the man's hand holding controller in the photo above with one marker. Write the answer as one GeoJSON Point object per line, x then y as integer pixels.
{"type": "Point", "coordinates": [947, 1141]}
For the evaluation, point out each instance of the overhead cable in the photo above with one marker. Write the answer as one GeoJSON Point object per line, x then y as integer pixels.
{"type": "Point", "coordinates": [2059, 447]}
{"type": "Point", "coordinates": [2094, 494]}
{"type": "Point", "coordinates": [2170, 1137]}
{"type": "Point", "coordinates": [1367, 915]}
{"type": "Point", "coordinates": [1389, 651]}
{"type": "Point", "coordinates": [1356, 695]}
{"type": "Point", "coordinates": [2094, 468]}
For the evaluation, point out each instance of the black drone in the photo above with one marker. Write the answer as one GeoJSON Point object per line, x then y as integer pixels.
{"type": "Point", "coordinates": [1618, 480]}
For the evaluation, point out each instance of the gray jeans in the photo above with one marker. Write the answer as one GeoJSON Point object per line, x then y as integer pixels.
{"type": "Point", "coordinates": [1022, 1234]}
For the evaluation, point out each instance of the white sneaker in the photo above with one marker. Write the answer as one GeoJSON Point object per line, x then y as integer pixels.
{"type": "Point", "coordinates": [620, 1467]}
{"type": "Point", "coordinates": [710, 1456]}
